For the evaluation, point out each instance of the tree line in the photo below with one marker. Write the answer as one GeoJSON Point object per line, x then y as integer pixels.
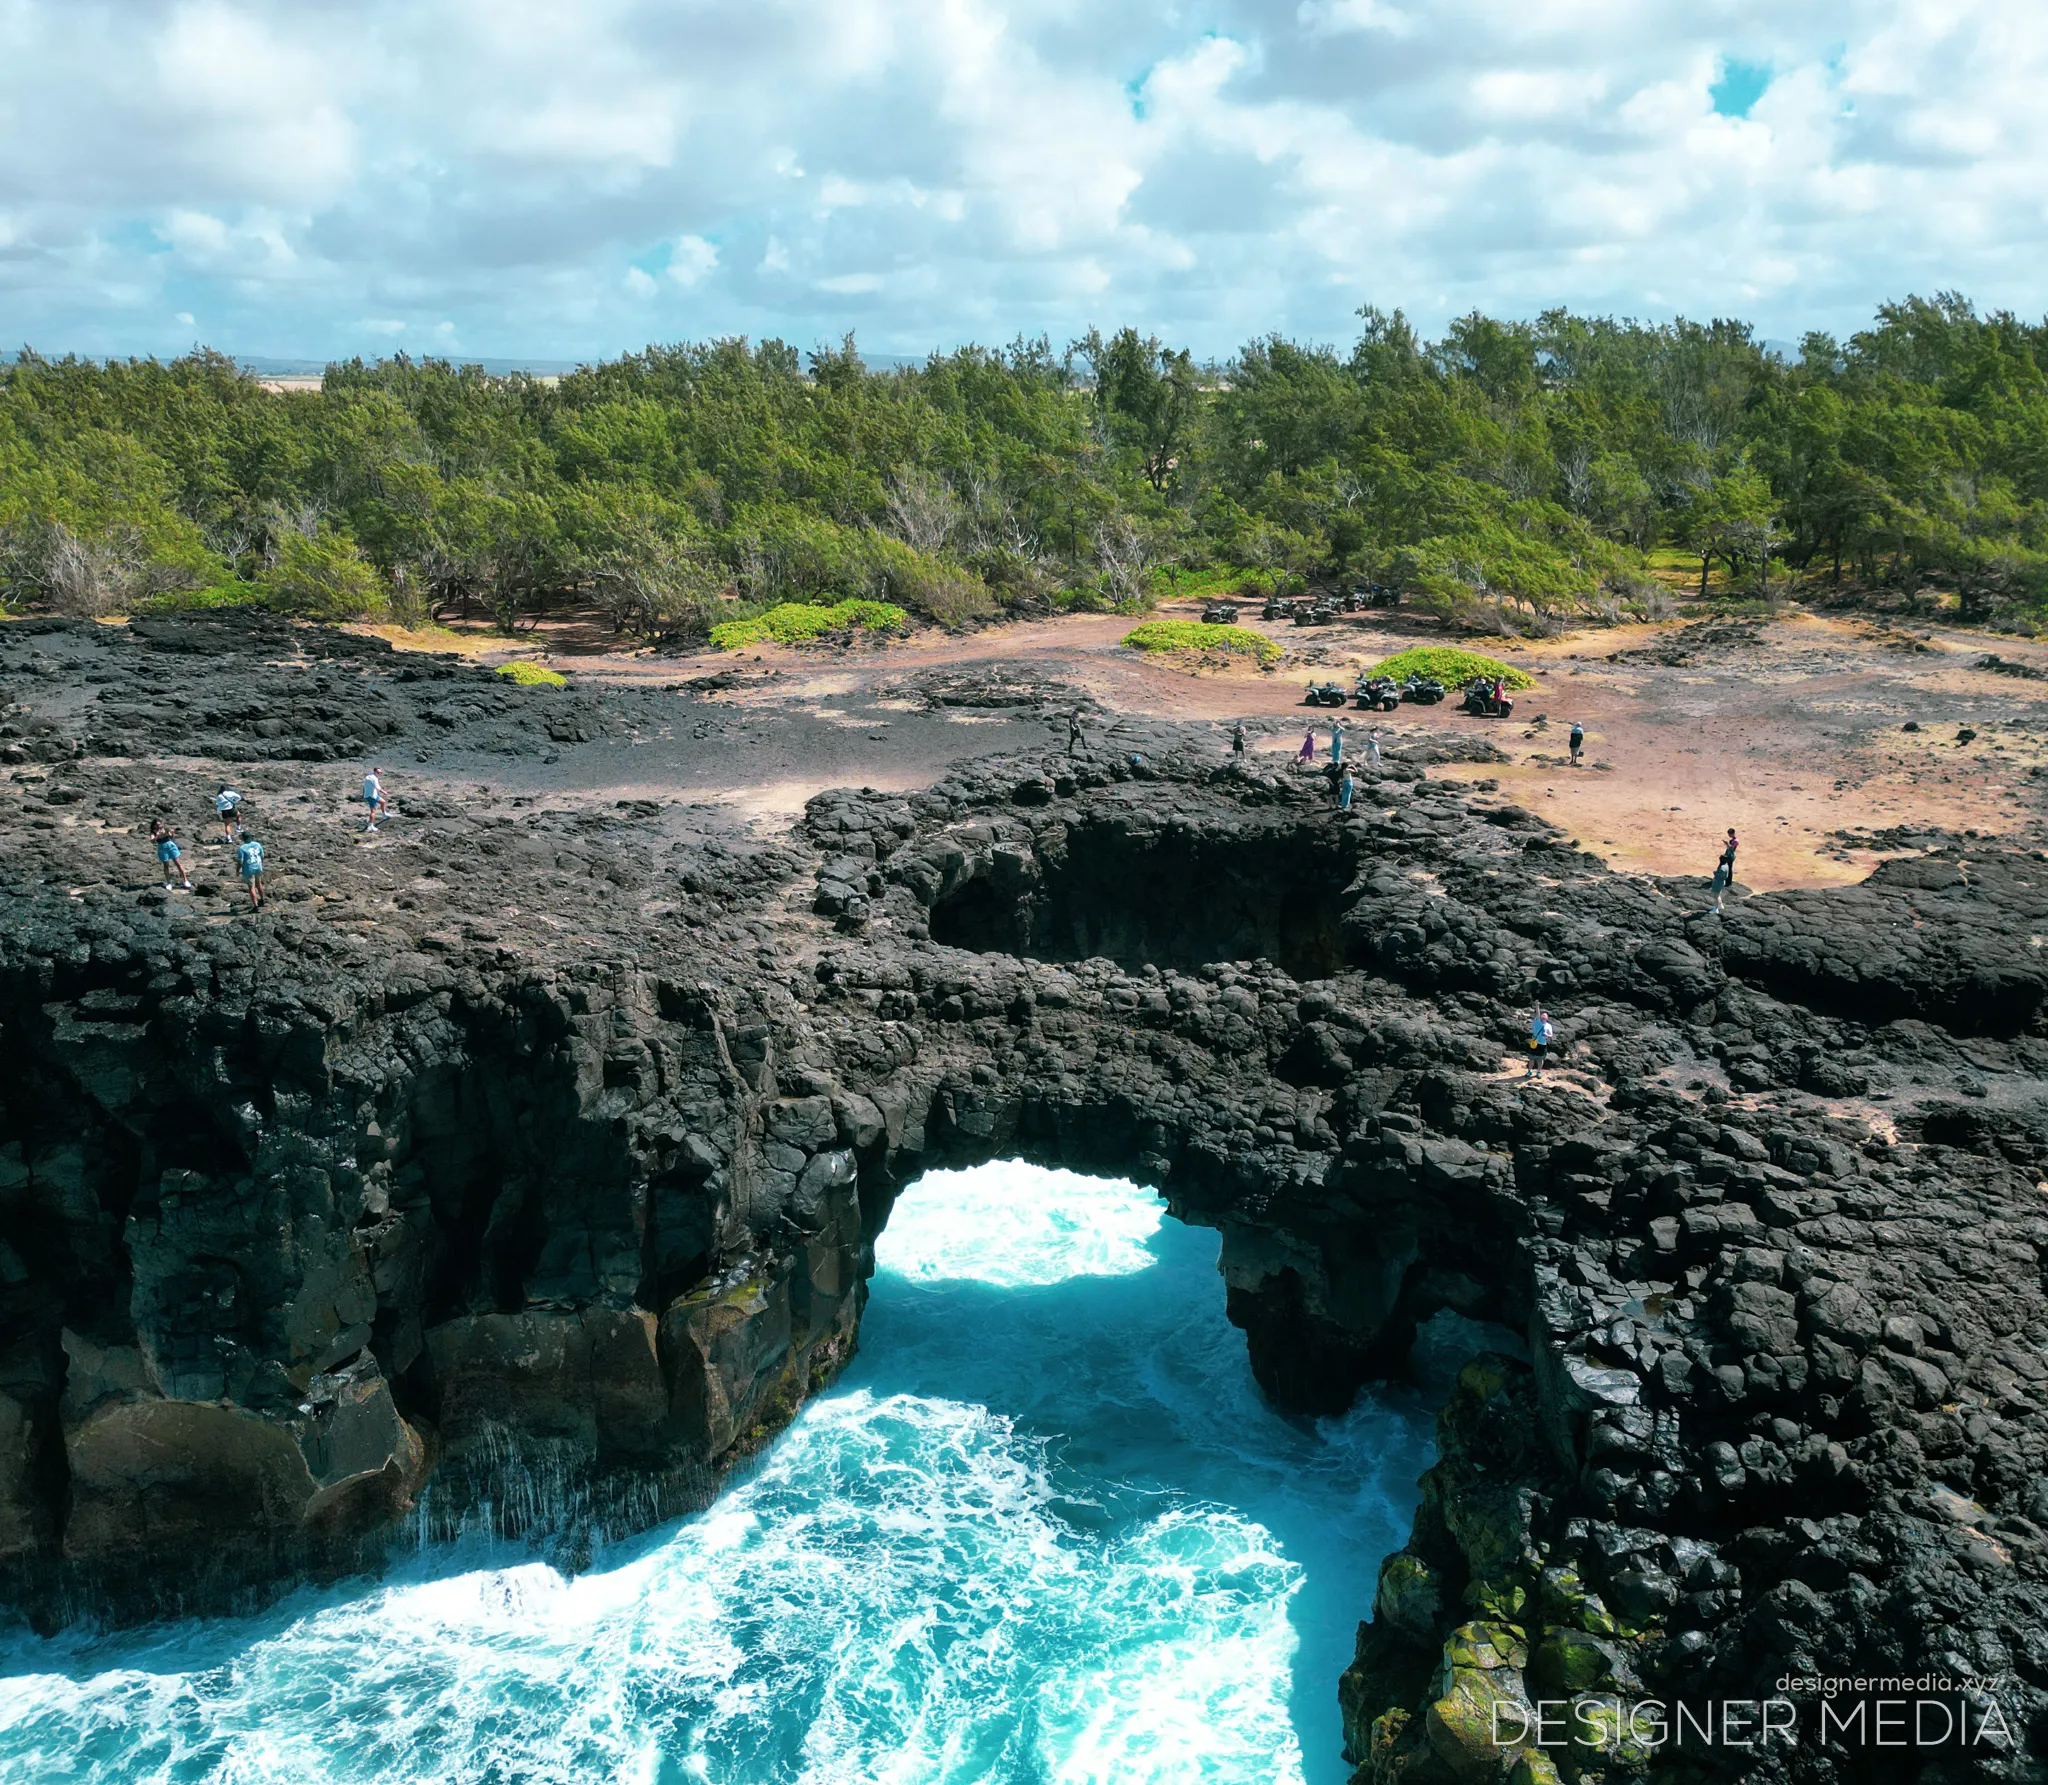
{"type": "Point", "coordinates": [1510, 473]}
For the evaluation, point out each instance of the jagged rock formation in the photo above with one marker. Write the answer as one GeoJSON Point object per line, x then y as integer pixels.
{"type": "Point", "coordinates": [427, 1191]}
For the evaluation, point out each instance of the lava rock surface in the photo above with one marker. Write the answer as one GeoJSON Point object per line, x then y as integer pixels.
{"type": "Point", "coordinates": [533, 1157]}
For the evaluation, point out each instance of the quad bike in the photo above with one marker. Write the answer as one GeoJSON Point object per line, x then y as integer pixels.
{"type": "Point", "coordinates": [1380, 694]}
{"type": "Point", "coordinates": [1275, 609]}
{"type": "Point", "coordinates": [1324, 694]}
{"type": "Point", "coordinates": [1480, 702]}
{"type": "Point", "coordinates": [1219, 613]}
{"type": "Point", "coordinates": [1423, 691]}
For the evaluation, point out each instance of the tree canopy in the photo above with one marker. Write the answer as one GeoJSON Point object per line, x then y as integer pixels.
{"type": "Point", "coordinates": [1510, 471]}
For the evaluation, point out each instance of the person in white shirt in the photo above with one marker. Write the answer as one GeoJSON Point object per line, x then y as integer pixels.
{"type": "Point", "coordinates": [373, 797]}
{"type": "Point", "coordinates": [226, 803]}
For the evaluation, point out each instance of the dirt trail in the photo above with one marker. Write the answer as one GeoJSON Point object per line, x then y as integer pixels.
{"type": "Point", "coordinates": [1791, 730]}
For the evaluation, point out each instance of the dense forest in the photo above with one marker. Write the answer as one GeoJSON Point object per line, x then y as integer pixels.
{"type": "Point", "coordinates": [1510, 474]}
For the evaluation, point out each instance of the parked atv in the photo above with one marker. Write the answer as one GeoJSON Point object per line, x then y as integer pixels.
{"type": "Point", "coordinates": [1220, 613]}
{"type": "Point", "coordinates": [1480, 701]}
{"type": "Point", "coordinates": [1378, 694]}
{"type": "Point", "coordinates": [1377, 595]}
{"type": "Point", "coordinates": [1275, 609]}
{"type": "Point", "coordinates": [1423, 691]}
{"type": "Point", "coordinates": [1324, 694]}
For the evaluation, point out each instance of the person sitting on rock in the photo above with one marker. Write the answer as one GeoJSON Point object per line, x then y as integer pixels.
{"type": "Point", "coordinates": [373, 797]}
{"type": "Point", "coordinates": [169, 854]}
{"type": "Point", "coordinates": [225, 803]}
{"type": "Point", "coordinates": [1542, 1032]}
{"type": "Point", "coordinates": [249, 864]}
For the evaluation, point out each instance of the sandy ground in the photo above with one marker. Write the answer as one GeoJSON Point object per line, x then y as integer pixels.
{"type": "Point", "coordinates": [1790, 730]}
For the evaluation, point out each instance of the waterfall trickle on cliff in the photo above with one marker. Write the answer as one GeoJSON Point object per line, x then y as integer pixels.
{"type": "Point", "coordinates": [1044, 1528]}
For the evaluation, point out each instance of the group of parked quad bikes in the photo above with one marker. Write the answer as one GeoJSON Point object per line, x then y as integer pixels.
{"type": "Point", "coordinates": [1303, 611]}
{"type": "Point", "coordinates": [1483, 698]}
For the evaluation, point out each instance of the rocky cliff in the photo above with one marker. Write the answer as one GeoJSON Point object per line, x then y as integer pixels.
{"type": "Point", "coordinates": [527, 1168]}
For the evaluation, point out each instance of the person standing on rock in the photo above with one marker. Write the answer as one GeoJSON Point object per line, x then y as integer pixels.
{"type": "Point", "coordinates": [1372, 746]}
{"type": "Point", "coordinates": [249, 864]}
{"type": "Point", "coordinates": [1307, 752]}
{"type": "Point", "coordinates": [1237, 739]}
{"type": "Point", "coordinates": [373, 797]}
{"type": "Point", "coordinates": [169, 854]}
{"type": "Point", "coordinates": [225, 803]}
{"type": "Point", "coordinates": [1337, 745]}
{"type": "Point", "coordinates": [1724, 871]}
{"type": "Point", "coordinates": [1542, 1032]}
{"type": "Point", "coordinates": [1578, 742]}
{"type": "Point", "coordinates": [1344, 791]}
{"type": "Point", "coordinates": [1073, 731]}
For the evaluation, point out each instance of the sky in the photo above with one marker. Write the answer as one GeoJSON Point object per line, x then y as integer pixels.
{"type": "Point", "coordinates": [524, 179]}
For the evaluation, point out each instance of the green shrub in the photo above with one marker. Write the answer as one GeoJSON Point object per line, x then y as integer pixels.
{"type": "Point", "coordinates": [1450, 666]}
{"type": "Point", "coordinates": [533, 675]}
{"type": "Point", "coordinates": [192, 601]}
{"type": "Point", "coordinates": [936, 587]}
{"type": "Point", "coordinates": [798, 622]}
{"type": "Point", "coordinates": [1193, 635]}
{"type": "Point", "coordinates": [322, 576]}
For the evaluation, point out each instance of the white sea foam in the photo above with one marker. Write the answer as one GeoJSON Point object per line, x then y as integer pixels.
{"type": "Point", "coordinates": [1018, 1226]}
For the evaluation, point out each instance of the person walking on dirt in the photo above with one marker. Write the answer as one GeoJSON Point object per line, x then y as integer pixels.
{"type": "Point", "coordinates": [1578, 742]}
{"type": "Point", "coordinates": [225, 803]}
{"type": "Point", "coordinates": [169, 854]}
{"type": "Point", "coordinates": [249, 864]}
{"type": "Point", "coordinates": [1542, 1032]}
{"type": "Point", "coordinates": [373, 797]}
{"type": "Point", "coordinates": [1344, 791]}
{"type": "Point", "coordinates": [1237, 739]}
{"type": "Point", "coordinates": [1307, 752]}
{"type": "Point", "coordinates": [1073, 731]}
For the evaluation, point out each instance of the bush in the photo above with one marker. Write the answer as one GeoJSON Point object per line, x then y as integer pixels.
{"type": "Point", "coordinates": [321, 576]}
{"type": "Point", "coordinates": [532, 675]}
{"type": "Point", "coordinates": [938, 588]}
{"type": "Point", "coordinates": [1450, 666]}
{"type": "Point", "coordinates": [798, 622]}
{"type": "Point", "coordinates": [1193, 635]}
{"type": "Point", "coordinates": [193, 601]}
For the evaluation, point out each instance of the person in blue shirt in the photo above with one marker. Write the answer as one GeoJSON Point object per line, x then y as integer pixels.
{"type": "Point", "coordinates": [169, 854]}
{"type": "Point", "coordinates": [1336, 743]}
{"type": "Point", "coordinates": [1344, 790]}
{"type": "Point", "coordinates": [1542, 1032]}
{"type": "Point", "coordinates": [249, 864]}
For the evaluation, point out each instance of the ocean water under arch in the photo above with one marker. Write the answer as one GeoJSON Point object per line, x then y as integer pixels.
{"type": "Point", "coordinates": [1044, 1529]}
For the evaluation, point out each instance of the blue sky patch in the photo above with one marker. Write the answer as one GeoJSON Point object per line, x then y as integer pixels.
{"type": "Point", "coordinates": [1741, 85]}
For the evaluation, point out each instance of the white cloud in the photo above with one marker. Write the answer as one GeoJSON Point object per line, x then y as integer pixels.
{"type": "Point", "coordinates": [939, 170]}
{"type": "Point", "coordinates": [691, 260]}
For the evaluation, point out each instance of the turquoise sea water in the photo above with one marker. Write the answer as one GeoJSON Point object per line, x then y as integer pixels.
{"type": "Point", "coordinates": [1044, 1531]}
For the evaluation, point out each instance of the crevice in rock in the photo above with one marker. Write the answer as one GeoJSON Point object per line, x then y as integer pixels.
{"type": "Point", "coordinates": [1168, 895]}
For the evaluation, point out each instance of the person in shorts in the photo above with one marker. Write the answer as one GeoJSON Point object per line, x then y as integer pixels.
{"type": "Point", "coordinates": [169, 856]}
{"type": "Point", "coordinates": [1578, 742]}
{"type": "Point", "coordinates": [249, 864]}
{"type": "Point", "coordinates": [373, 798]}
{"type": "Point", "coordinates": [227, 802]}
{"type": "Point", "coordinates": [1542, 1032]}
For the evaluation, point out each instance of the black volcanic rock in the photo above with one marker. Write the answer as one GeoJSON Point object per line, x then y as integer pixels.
{"type": "Point", "coordinates": [546, 1162]}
